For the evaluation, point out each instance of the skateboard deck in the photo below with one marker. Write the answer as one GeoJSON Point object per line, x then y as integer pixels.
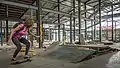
{"type": "Point", "coordinates": [20, 61]}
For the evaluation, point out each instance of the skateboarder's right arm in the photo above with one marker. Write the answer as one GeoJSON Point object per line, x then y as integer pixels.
{"type": "Point", "coordinates": [13, 31]}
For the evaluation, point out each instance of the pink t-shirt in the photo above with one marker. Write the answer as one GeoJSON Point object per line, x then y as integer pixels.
{"type": "Point", "coordinates": [22, 32]}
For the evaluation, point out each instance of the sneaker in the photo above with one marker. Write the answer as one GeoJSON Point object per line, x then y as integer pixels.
{"type": "Point", "coordinates": [13, 59]}
{"type": "Point", "coordinates": [26, 57]}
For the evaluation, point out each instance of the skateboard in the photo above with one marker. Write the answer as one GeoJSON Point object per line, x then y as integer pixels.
{"type": "Point", "coordinates": [21, 61]}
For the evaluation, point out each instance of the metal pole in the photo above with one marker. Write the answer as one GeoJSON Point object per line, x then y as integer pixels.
{"type": "Point", "coordinates": [50, 35]}
{"type": "Point", "coordinates": [79, 19]}
{"type": "Point", "coordinates": [59, 21]}
{"type": "Point", "coordinates": [6, 23]}
{"type": "Point", "coordinates": [107, 29]}
{"type": "Point", "coordinates": [55, 35]}
{"type": "Point", "coordinates": [94, 27]}
{"type": "Point", "coordinates": [63, 33]}
{"type": "Point", "coordinates": [85, 22]}
{"type": "Point", "coordinates": [1, 34]}
{"type": "Point", "coordinates": [100, 20]}
{"type": "Point", "coordinates": [71, 28]}
{"type": "Point", "coordinates": [74, 19]}
{"type": "Point", "coordinates": [4, 32]}
{"type": "Point", "coordinates": [38, 4]}
{"type": "Point", "coordinates": [115, 32]}
{"type": "Point", "coordinates": [43, 35]}
{"type": "Point", "coordinates": [112, 22]}
{"type": "Point", "coordinates": [92, 32]}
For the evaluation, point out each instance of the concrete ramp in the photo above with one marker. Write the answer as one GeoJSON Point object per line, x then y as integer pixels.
{"type": "Point", "coordinates": [70, 54]}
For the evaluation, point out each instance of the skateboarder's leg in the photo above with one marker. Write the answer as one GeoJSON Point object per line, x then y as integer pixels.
{"type": "Point", "coordinates": [18, 45]}
{"type": "Point", "coordinates": [27, 43]}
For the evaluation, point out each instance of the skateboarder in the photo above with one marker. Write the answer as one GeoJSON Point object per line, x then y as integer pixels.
{"type": "Point", "coordinates": [16, 36]}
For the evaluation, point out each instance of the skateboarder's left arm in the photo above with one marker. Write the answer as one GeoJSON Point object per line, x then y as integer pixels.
{"type": "Point", "coordinates": [33, 35]}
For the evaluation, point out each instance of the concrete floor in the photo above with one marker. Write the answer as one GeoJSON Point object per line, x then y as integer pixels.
{"type": "Point", "coordinates": [98, 62]}
{"type": "Point", "coordinates": [48, 62]}
{"type": "Point", "coordinates": [43, 62]}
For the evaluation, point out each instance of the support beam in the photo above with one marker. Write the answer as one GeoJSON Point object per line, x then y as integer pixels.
{"type": "Point", "coordinates": [71, 29]}
{"type": "Point", "coordinates": [38, 12]}
{"type": "Point", "coordinates": [115, 32]}
{"type": "Point", "coordinates": [55, 35]}
{"type": "Point", "coordinates": [6, 23]}
{"type": "Point", "coordinates": [74, 19]}
{"type": "Point", "coordinates": [62, 16]}
{"type": "Point", "coordinates": [85, 21]}
{"type": "Point", "coordinates": [82, 11]}
{"type": "Point", "coordinates": [4, 32]}
{"type": "Point", "coordinates": [100, 20]}
{"type": "Point", "coordinates": [54, 2]}
{"type": "Point", "coordinates": [112, 21]}
{"type": "Point", "coordinates": [10, 18]}
{"type": "Point", "coordinates": [92, 2]}
{"type": "Point", "coordinates": [113, 9]}
{"type": "Point", "coordinates": [26, 10]}
{"type": "Point", "coordinates": [79, 19]}
{"type": "Point", "coordinates": [44, 9]}
{"type": "Point", "coordinates": [59, 21]}
{"type": "Point", "coordinates": [1, 33]}
{"type": "Point", "coordinates": [63, 33]}
{"type": "Point", "coordinates": [50, 34]}
{"type": "Point", "coordinates": [87, 1]}
{"type": "Point", "coordinates": [107, 29]}
{"type": "Point", "coordinates": [54, 6]}
{"type": "Point", "coordinates": [105, 5]}
{"type": "Point", "coordinates": [109, 16]}
{"type": "Point", "coordinates": [92, 31]}
{"type": "Point", "coordinates": [94, 27]}
{"type": "Point", "coordinates": [35, 8]}
{"type": "Point", "coordinates": [62, 29]}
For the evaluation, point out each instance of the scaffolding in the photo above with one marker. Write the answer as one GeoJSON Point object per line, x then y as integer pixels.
{"type": "Point", "coordinates": [78, 17]}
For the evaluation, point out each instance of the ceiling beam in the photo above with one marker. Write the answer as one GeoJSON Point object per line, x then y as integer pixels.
{"type": "Point", "coordinates": [109, 16]}
{"type": "Point", "coordinates": [91, 2]}
{"type": "Point", "coordinates": [12, 18]}
{"type": "Point", "coordinates": [105, 5]}
{"type": "Point", "coordinates": [54, 7]}
{"type": "Point", "coordinates": [34, 7]}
